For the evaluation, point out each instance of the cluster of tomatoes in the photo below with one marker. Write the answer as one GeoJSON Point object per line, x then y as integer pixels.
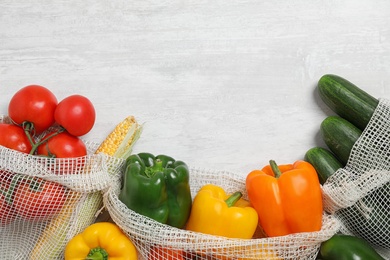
{"type": "Point", "coordinates": [40, 125]}
{"type": "Point", "coordinates": [34, 110]}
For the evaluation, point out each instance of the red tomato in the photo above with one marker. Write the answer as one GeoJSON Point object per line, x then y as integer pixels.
{"type": "Point", "coordinates": [37, 199]}
{"type": "Point", "coordinates": [34, 104]}
{"type": "Point", "coordinates": [7, 214]}
{"type": "Point", "coordinates": [76, 114]}
{"type": "Point", "coordinates": [62, 145]}
{"type": "Point", "coordinates": [14, 137]}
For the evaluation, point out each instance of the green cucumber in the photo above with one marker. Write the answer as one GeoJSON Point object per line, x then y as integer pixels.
{"type": "Point", "coordinates": [347, 247]}
{"type": "Point", "coordinates": [372, 225]}
{"type": "Point", "coordinates": [347, 100]}
{"type": "Point", "coordinates": [339, 135]}
{"type": "Point", "coordinates": [323, 161]}
{"type": "Point", "coordinates": [354, 108]}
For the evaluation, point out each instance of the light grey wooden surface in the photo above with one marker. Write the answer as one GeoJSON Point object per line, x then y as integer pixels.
{"type": "Point", "coordinates": [223, 85]}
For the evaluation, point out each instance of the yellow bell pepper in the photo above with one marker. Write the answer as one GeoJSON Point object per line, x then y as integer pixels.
{"type": "Point", "coordinates": [216, 213]}
{"type": "Point", "coordinates": [101, 241]}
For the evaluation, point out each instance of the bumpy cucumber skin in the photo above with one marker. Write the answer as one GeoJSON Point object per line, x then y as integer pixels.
{"type": "Point", "coordinates": [339, 135]}
{"type": "Point", "coordinates": [323, 161]}
{"type": "Point", "coordinates": [357, 107]}
{"type": "Point", "coordinates": [347, 100]}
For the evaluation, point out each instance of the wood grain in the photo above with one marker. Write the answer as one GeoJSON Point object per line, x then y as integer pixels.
{"type": "Point", "coordinates": [221, 84]}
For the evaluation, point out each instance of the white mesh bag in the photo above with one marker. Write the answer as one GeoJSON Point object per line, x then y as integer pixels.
{"type": "Point", "coordinates": [44, 202]}
{"type": "Point", "coordinates": [148, 234]}
{"type": "Point", "coordinates": [359, 194]}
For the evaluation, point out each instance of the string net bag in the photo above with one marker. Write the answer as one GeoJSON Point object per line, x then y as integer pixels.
{"type": "Point", "coordinates": [156, 241]}
{"type": "Point", "coordinates": [44, 202]}
{"type": "Point", "coordinates": [359, 194]}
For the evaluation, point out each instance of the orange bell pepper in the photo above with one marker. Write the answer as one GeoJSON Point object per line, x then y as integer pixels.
{"type": "Point", "coordinates": [287, 198]}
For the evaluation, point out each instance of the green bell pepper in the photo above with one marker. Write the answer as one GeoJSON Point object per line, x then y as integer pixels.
{"type": "Point", "coordinates": [346, 247]}
{"type": "Point", "coordinates": [157, 187]}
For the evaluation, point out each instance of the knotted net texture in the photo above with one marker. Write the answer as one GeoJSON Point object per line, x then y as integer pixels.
{"type": "Point", "coordinates": [44, 202]}
{"type": "Point", "coordinates": [359, 193]}
{"type": "Point", "coordinates": [156, 241]}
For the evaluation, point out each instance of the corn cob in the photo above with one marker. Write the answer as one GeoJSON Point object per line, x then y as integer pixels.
{"type": "Point", "coordinates": [80, 209]}
{"type": "Point", "coordinates": [119, 142]}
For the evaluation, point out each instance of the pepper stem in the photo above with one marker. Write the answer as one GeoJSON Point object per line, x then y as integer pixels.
{"type": "Point", "coordinates": [275, 168]}
{"type": "Point", "coordinates": [157, 167]}
{"type": "Point", "coordinates": [233, 199]}
{"type": "Point", "coordinates": [97, 253]}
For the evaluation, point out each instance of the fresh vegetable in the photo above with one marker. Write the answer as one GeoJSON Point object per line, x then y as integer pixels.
{"type": "Point", "coordinates": [37, 199]}
{"type": "Point", "coordinates": [287, 198]}
{"type": "Point", "coordinates": [343, 138]}
{"type": "Point", "coordinates": [323, 161]}
{"type": "Point", "coordinates": [76, 114]}
{"type": "Point", "coordinates": [157, 187]}
{"type": "Point", "coordinates": [101, 241]}
{"type": "Point", "coordinates": [339, 135]}
{"type": "Point", "coordinates": [343, 135]}
{"type": "Point", "coordinates": [14, 137]}
{"type": "Point", "coordinates": [62, 145]}
{"type": "Point", "coordinates": [36, 110]}
{"type": "Point", "coordinates": [51, 243]}
{"type": "Point", "coordinates": [347, 100]}
{"type": "Point", "coordinates": [7, 214]}
{"type": "Point", "coordinates": [346, 247]}
{"type": "Point", "coordinates": [216, 213]}
{"type": "Point", "coordinates": [264, 253]}
{"type": "Point", "coordinates": [33, 105]}
{"type": "Point", "coordinates": [163, 253]}
{"type": "Point", "coordinates": [372, 225]}
{"type": "Point", "coordinates": [120, 141]}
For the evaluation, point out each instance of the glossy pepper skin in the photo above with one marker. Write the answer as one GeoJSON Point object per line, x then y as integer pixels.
{"type": "Point", "coordinates": [287, 198]}
{"type": "Point", "coordinates": [216, 213]}
{"type": "Point", "coordinates": [157, 187]}
{"type": "Point", "coordinates": [101, 241]}
{"type": "Point", "coordinates": [346, 247]}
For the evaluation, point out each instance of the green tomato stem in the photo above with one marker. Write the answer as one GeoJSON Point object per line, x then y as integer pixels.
{"type": "Point", "coordinates": [8, 194]}
{"type": "Point", "coordinates": [44, 140]}
{"type": "Point", "coordinates": [28, 128]}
